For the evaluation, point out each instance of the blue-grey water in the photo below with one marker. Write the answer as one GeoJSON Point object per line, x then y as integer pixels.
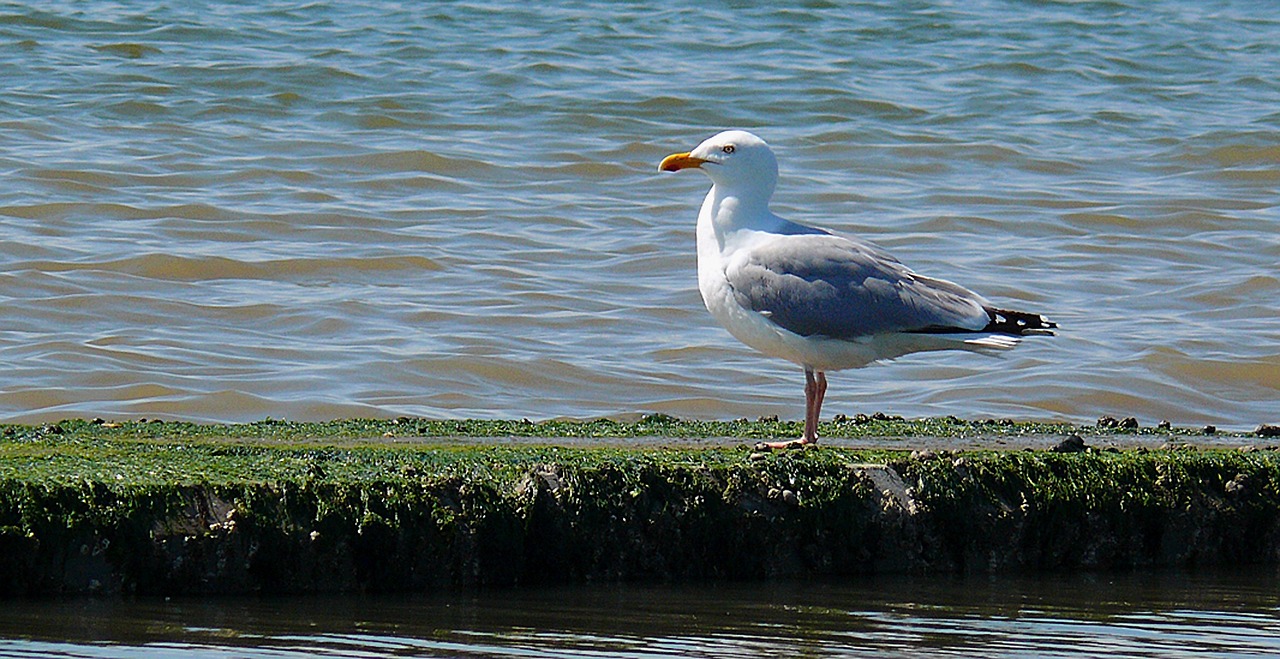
{"type": "Point", "coordinates": [1165, 615]}
{"type": "Point", "coordinates": [229, 211]}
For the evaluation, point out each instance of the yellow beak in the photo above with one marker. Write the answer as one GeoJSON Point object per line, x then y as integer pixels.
{"type": "Point", "coordinates": [678, 161]}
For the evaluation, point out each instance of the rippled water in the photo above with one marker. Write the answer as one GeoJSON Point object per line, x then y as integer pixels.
{"type": "Point", "coordinates": [221, 211]}
{"type": "Point", "coordinates": [1141, 615]}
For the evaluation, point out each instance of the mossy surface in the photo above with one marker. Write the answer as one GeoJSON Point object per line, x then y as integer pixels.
{"type": "Point", "coordinates": [283, 507]}
{"type": "Point", "coordinates": [650, 425]}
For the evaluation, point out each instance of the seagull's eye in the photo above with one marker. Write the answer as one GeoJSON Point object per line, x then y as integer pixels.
{"type": "Point", "coordinates": [728, 148]}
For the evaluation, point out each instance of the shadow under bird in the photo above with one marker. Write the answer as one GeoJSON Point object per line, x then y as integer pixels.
{"type": "Point", "coordinates": [822, 301]}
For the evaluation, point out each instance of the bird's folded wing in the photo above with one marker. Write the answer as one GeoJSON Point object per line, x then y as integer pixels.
{"type": "Point", "coordinates": [832, 286]}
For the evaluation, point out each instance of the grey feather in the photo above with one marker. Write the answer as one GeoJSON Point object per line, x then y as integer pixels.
{"type": "Point", "coordinates": [832, 286]}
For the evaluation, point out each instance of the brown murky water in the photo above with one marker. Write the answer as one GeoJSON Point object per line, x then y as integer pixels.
{"type": "Point", "coordinates": [220, 212]}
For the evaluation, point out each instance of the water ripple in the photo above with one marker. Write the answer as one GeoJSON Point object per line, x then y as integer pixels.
{"type": "Point", "coordinates": [312, 211]}
{"type": "Point", "coordinates": [1144, 615]}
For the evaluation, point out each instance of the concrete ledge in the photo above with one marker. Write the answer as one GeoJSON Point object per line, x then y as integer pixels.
{"type": "Point", "coordinates": [235, 516]}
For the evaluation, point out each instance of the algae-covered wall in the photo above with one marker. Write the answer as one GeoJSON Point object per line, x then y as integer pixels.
{"type": "Point", "coordinates": [145, 514]}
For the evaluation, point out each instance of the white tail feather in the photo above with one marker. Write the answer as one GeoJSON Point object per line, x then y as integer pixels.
{"type": "Point", "coordinates": [995, 341]}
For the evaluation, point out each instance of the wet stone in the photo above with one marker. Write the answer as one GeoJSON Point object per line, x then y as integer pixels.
{"type": "Point", "coordinates": [1070, 444]}
{"type": "Point", "coordinates": [1236, 486]}
{"type": "Point", "coordinates": [551, 478]}
{"type": "Point", "coordinates": [1267, 430]}
{"type": "Point", "coordinates": [1112, 423]}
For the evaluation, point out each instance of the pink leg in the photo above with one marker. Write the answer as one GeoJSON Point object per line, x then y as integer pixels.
{"type": "Point", "coordinates": [815, 389]}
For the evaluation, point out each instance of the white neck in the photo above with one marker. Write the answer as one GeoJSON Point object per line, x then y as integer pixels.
{"type": "Point", "coordinates": [729, 210]}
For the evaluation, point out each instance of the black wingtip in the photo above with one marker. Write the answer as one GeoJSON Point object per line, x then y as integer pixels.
{"type": "Point", "coordinates": [1018, 323]}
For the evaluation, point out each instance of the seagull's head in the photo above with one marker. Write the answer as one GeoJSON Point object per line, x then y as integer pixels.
{"type": "Point", "coordinates": [734, 159]}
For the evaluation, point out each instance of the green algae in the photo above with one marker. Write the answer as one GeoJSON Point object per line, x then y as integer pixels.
{"type": "Point", "coordinates": [650, 425]}
{"type": "Point", "coordinates": [1138, 507]}
{"type": "Point", "coordinates": [285, 507]}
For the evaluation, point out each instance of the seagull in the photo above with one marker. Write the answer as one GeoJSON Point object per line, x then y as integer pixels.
{"type": "Point", "coordinates": [822, 301]}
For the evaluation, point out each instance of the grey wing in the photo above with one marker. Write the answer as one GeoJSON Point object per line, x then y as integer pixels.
{"type": "Point", "coordinates": [832, 286]}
